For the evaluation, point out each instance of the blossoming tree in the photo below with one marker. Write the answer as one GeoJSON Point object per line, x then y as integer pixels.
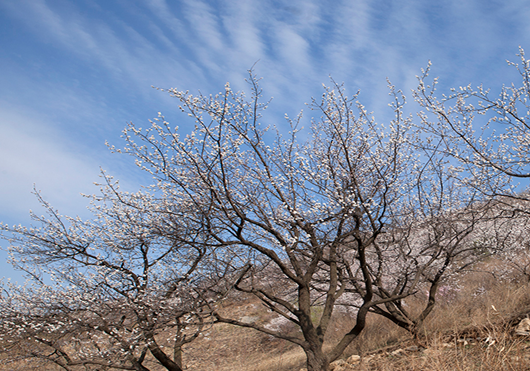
{"type": "Point", "coordinates": [331, 211]}
{"type": "Point", "coordinates": [110, 291]}
{"type": "Point", "coordinates": [348, 213]}
{"type": "Point", "coordinates": [489, 136]}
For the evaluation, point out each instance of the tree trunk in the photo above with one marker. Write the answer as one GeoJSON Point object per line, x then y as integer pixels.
{"type": "Point", "coordinates": [316, 360]}
{"type": "Point", "coordinates": [177, 354]}
{"type": "Point", "coordinates": [162, 357]}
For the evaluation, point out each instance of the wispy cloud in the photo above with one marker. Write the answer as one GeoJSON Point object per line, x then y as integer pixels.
{"type": "Point", "coordinates": [74, 72]}
{"type": "Point", "coordinates": [33, 155]}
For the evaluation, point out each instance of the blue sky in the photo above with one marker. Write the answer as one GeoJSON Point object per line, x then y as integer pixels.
{"type": "Point", "coordinates": [73, 73]}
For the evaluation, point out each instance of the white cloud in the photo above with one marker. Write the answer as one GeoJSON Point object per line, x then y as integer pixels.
{"type": "Point", "coordinates": [294, 51]}
{"type": "Point", "coordinates": [199, 44]}
{"type": "Point", "coordinates": [243, 24]}
{"type": "Point", "coordinates": [31, 155]}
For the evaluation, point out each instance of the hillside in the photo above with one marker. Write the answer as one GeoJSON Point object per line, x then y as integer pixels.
{"type": "Point", "coordinates": [471, 329]}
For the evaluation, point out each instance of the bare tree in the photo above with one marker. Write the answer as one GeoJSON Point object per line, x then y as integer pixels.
{"type": "Point", "coordinates": [346, 214]}
{"type": "Point", "coordinates": [333, 214]}
{"type": "Point", "coordinates": [488, 135]}
{"type": "Point", "coordinates": [437, 229]}
{"type": "Point", "coordinates": [107, 292]}
{"type": "Point", "coordinates": [448, 230]}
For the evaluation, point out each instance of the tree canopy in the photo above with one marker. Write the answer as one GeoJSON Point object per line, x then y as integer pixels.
{"type": "Point", "coordinates": [349, 214]}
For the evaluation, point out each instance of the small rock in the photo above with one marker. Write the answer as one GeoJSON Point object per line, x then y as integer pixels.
{"type": "Point", "coordinates": [354, 359]}
{"type": "Point", "coordinates": [370, 357]}
{"type": "Point", "coordinates": [346, 367]}
{"type": "Point", "coordinates": [523, 328]}
{"type": "Point", "coordinates": [249, 319]}
{"type": "Point", "coordinates": [333, 365]}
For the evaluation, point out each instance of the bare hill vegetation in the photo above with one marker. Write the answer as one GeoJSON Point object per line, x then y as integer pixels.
{"type": "Point", "coordinates": [471, 329]}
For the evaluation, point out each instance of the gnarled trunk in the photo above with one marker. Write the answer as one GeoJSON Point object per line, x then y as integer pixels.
{"type": "Point", "coordinates": [316, 359]}
{"type": "Point", "coordinates": [162, 357]}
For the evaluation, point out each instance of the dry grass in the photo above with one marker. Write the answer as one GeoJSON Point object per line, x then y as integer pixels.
{"type": "Point", "coordinates": [506, 353]}
{"type": "Point", "coordinates": [481, 307]}
{"type": "Point", "coordinates": [226, 348]}
{"type": "Point", "coordinates": [471, 329]}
